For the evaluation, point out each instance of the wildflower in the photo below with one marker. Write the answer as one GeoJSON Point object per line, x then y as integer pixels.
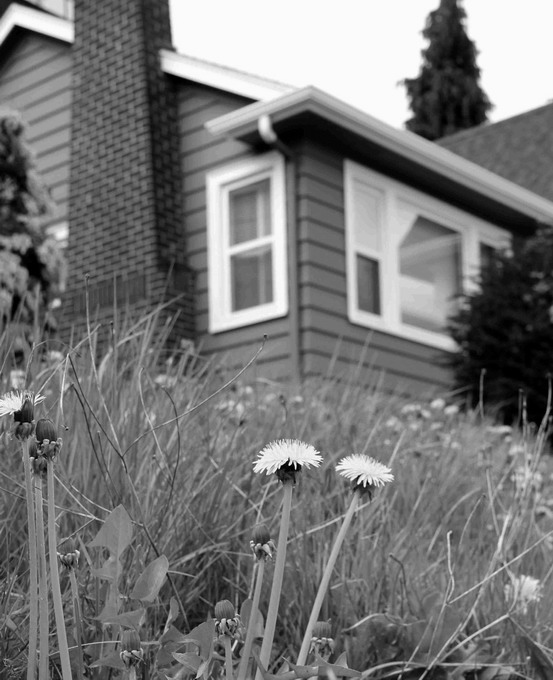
{"type": "Point", "coordinates": [49, 444]}
{"type": "Point", "coordinates": [131, 650]}
{"type": "Point", "coordinates": [37, 460]}
{"type": "Point", "coordinates": [286, 458]}
{"type": "Point", "coordinates": [522, 591]}
{"type": "Point", "coordinates": [437, 404]}
{"type": "Point", "coordinates": [261, 544]}
{"type": "Point", "coordinates": [365, 472]}
{"type": "Point", "coordinates": [226, 620]}
{"type": "Point", "coordinates": [69, 555]}
{"type": "Point", "coordinates": [21, 404]}
{"type": "Point", "coordinates": [410, 409]}
{"type": "Point", "coordinates": [451, 410]}
{"type": "Point", "coordinates": [322, 642]}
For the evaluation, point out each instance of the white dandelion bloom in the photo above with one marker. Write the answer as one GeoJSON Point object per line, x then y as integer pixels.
{"type": "Point", "coordinates": [12, 402]}
{"type": "Point", "coordinates": [286, 453]}
{"type": "Point", "coordinates": [364, 471]}
{"type": "Point", "coordinates": [522, 591]}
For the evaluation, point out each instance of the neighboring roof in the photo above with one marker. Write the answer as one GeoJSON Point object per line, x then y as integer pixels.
{"type": "Point", "coordinates": [518, 148]}
{"type": "Point", "coordinates": [403, 146]}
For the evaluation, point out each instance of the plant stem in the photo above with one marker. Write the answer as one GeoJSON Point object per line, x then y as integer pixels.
{"type": "Point", "coordinates": [243, 668]}
{"type": "Point", "coordinates": [323, 586]}
{"type": "Point", "coordinates": [78, 621]}
{"type": "Point", "coordinates": [55, 578]}
{"type": "Point", "coordinates": [228, 657]}
{"type": "Point", "coordinates": [42, 582]}
{"type": "Point", "coordinates": [33, 566]}
{"type": "Point", "coordinates": [272, 612]}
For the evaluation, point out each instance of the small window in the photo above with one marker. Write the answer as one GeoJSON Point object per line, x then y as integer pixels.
{"type": "Point", "coordinates": [247, 278]}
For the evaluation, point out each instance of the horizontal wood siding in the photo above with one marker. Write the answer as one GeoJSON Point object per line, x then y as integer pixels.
{"type": "Point", "coordinates": [200, 153]}
{"type": "Point", "coordinates": [329, 341]}
{"type": "Point", "coordinates": [35, 80]}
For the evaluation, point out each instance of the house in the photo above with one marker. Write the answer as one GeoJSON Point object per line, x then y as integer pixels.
{"type": "Point", "coordinates": [269, 210]}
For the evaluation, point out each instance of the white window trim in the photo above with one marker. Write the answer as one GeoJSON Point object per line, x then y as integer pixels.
{"type": "Point", "coordinates": [219, 183]}
{"type": "Point", "coordinates": [472, 231]}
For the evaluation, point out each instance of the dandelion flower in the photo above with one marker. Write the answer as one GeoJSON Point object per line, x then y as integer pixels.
{"type": "Point", "coordinates": [364, 472]}
{"type": "Point", "coordinates": [286, 457]}
{"type": "Point", "coordinates": [13, 402]}
{"type": "Point", "coordinates": [522, 591]}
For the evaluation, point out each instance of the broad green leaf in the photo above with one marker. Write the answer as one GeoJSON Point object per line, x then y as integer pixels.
{"type": "Point", "coordinates": [173, 613]}
{"type": "Point", "coordinates": [150, 580]}
{"type": "Point", "coordinates": [189, 660]}
{"type": "Point", "coordinates": [133, 619]}
{"type": "Point", "coordinates": [202, 636]}
{"type": "Point", "coordinates": [112, 660]}
{"type": "Point", "coordinates": [115, 534]}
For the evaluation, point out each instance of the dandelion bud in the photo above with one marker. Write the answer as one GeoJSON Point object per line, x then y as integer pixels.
{"type": "Point", "coordinates": [131, 651]}
{"type": "Point", "coordinates": [226, 620]}
{"type": "Point", "coordinates": [261, 544]}
{"type": "Point", "coordinates": [322, 642]}
{"type": "Point", "coordinates": [26, 413]}
{"type": "Point", "coordinates": [45, 429]}
{"type": "Point", "coordinates": [69, 555]}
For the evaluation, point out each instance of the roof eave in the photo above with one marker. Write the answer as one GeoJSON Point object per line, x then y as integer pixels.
{"type": "Point", "coordinates": [243, 122]}
{"type": "Point", "coordinates": [19, 16]}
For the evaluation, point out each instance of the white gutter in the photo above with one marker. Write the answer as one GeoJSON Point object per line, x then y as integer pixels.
{"type": "Point", "coordinates": [406, 144]}
{"type": "Point", "coordinates": [37, 21]}
{"type": "Point", "coordinates": [220, 77]}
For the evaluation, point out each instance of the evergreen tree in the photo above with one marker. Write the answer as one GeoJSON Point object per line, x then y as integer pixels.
{"type": "Point", "coordinates": [446, 95]}
{"type": "Point", "coordinates": [31, 265]}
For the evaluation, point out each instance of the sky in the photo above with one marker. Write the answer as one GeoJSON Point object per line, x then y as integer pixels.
{"type": "Point", "coordinates": [359, 50]}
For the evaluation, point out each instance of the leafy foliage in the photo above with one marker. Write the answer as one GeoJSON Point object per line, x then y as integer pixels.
{"type": "Point", "coordinates": [505, 330]}
{"type": "Point", "coordinates": [446, 95]}
{"type": "Point", "coordinates": [30, 262]}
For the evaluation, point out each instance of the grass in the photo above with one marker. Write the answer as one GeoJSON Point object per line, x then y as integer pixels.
{"type": "Point", "coordinates": [422, 574]}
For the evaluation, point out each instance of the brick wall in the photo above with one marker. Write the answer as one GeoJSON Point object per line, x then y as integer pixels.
{"type": "Point", "coordinates": [125, 203]}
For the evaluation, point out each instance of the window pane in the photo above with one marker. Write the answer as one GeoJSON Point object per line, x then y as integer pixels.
{"type": "Point", "coordinates": [430, 274]}
{"type": "Point", "coordinates": [367, 216]}
{"type": "Point", "coordinates": [252, 278]}
{"type": "Point", "coordinates": [368, 286]}
{"type": "Point", "coordinates": [250, 212]}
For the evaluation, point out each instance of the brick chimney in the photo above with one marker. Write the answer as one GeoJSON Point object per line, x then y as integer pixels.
{"type": "Point", "coordinates": [126, 228]}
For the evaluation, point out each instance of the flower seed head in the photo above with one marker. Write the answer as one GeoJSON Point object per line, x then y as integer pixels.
{"type": "Point", "coordinates": [261, 534]}
{"type": "Point", "coordinates": [226, 620]}
{"type": "Point", "coordinates": [322, 629]}
{"type": "Point", "coordinates": [131, 650]}
{"type": "Point", "coordinates": [224, 610]}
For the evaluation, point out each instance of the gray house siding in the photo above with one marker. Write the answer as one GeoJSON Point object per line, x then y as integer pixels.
{"type": "Point", "coordinates": [35, 80]}
{"type": "Point", "coordinates": [329, 341]}
{"type": "Point", "coordinates": [200, 153]}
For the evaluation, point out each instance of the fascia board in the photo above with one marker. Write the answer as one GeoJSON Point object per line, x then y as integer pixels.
{"type": "Point", "coordinates": [220, 77]}
{"type": "Point", "coordinates": [402, 142]}
{"type": "Point", "coordinates": [36, 21]}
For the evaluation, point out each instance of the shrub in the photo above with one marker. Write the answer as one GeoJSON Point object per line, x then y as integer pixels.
{"type": "Point", "coordinates": [505, 330]}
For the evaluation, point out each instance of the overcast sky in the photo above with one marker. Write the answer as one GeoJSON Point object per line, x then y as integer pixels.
{"type": "Point", "coordinates": [358, 50]}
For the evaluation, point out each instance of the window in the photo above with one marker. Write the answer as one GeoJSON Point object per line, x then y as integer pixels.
{"type": "Point", "coordinates": [246, 215]}
{"type": "Point", "coordinates": [409, 256]}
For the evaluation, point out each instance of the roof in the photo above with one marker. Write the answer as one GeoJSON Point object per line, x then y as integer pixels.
{"type": "Point", "coordinates": [463, 179]}
{"type": "Point", "coordinates": [518, 148]}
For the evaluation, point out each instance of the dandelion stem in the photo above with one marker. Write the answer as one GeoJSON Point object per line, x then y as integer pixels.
{"type": "Point", "coordinates": [228, 657]}
{"type": "Point", "coordinates": [33, 565]}
{"type": "Point", "coordinates": [55, 578]}
{"type": "Point", "coordinates": [272, 612]}
{"type": "Point", "coordinates": [243, 668]}
{"type": "Point", "coordinates": [78, 621]}
{"type": "Point", "coordinates": [42, 582]}
{"type": "Point", "coordinates": [323, 586]}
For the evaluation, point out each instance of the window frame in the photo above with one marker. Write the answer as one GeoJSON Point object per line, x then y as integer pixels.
{"type": "Point", "coordinates": [220, 182]}
{"type": "Point", "coordinates": [401, 202]}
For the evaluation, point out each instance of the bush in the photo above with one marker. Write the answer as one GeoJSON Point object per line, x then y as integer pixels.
{"type": "Point", "coordinates": [505, 331]}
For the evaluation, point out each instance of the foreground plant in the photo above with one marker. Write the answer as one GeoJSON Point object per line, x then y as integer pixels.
{"type": "Point", "coordinates": [365, 474]}
{"type": "Point", "coordinates": [21, 405]}
{"type": "Point", "coordinates": [284, 458]}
